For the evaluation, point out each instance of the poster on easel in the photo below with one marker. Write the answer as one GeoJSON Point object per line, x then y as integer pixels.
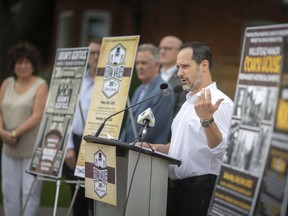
{"type": "Point", "coordinates": [273, 194]}
{"type": "Point", "coordinates": [69, 67]}
{"type": "Point", "coordinates": [253, 176]}
{"type": "Point", "coordinates": [110, 91]}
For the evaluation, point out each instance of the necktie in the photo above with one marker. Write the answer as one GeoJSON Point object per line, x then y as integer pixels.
{"type": "Point", "coordinates": [142, 93]}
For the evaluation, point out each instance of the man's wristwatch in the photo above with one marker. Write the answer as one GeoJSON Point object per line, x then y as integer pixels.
{"type": "Point", "coordinates": [206, 122]}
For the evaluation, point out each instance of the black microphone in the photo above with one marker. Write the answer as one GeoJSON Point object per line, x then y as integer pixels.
{"type": "Point", "coordinates": [163, 87]}
{"type": "Point", "coordinates": [178, 89]}
{"type": "Point", "coordinates": [165, 90]}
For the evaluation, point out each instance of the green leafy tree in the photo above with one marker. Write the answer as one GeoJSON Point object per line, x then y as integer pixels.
{"type": "Point", "coordinates": [29, 20]}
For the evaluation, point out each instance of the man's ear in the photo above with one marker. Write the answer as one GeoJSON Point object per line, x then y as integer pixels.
{"type": "Point", "coordinates": [204, 66]}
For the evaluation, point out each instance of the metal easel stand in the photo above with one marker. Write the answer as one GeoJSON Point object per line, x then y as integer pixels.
{"type": "Point", "coordinates": [42, 178]}
{"type": "Point", "coordinates": [58, 183]}
{"type": "Point", "coordinates": [29, 194]}
{"type": "Point", "coordinates": [77, 187]}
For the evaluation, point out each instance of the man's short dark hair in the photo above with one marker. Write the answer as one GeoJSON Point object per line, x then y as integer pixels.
{"type": "Point", "coordinates": [200, 52]}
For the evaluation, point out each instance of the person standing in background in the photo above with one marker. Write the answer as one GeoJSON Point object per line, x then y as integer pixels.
{"type": "Point", "coordinates": [23, 99]}
{"type": "Point", "coordinates": [168, 49]}
{"type": "Point", "coordinates": [147, 68]}
{"type": "Point", "coordinates": [82, 204]}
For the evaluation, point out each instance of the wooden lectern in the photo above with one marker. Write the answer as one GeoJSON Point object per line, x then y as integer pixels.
{"type": "Point", "coordinates": [142, 172]}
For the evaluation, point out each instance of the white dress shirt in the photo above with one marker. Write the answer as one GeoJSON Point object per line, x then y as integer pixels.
{"type": "Point", "coordinates": [84, 99]}
{"type": "Point", "coordinates": [188, 141]}
{"type": "Point", "coordinates": [167, 74]}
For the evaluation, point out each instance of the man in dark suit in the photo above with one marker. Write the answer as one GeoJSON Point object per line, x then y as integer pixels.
{"type": "Point", "coordinates": [168, 50]}
{"type": "Point", "coordinates": [147, 67]}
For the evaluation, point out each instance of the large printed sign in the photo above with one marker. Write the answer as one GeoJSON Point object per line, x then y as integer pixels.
{"type": "Point", "coordinates": [253, 177]}
{"type": "Point", "coordinates": [111, 87]}
{"type": "Point", "coordinates": [100, 172]}
{"type": "Point", "coordinates": [69, 67]}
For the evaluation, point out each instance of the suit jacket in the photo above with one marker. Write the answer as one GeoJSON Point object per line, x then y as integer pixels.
{"type": "Point", "coordinates": [162, 108]}
{"type": "Point", "coordinates": [180, 94]}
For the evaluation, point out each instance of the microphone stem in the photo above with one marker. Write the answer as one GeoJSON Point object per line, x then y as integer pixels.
{"type": "Point", "coordinates": [103, 124]}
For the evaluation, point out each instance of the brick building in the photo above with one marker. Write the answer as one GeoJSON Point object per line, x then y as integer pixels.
{"type": "Point", "coordinates": [52, 24]}
{"type": "Point", "coordinates": [220, 24]}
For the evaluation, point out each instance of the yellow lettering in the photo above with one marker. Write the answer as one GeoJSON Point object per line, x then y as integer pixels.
{"type": "Point", "coordinates": [278, 165]}
{"type": "Point", "coordinates": [238, 180]}
{"type": "Point", "coordinates": [282, 115]}
{"type": "Point", "coordinates": [265, 64]}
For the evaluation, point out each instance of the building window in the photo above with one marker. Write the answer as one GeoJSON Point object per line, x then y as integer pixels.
{"type": "Point", "coordinates": [64, 29]}
{"type": "Point", "coordinates": [95, 24]}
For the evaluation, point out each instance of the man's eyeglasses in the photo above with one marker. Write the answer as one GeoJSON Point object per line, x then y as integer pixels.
{"type": "Point", "coordinates": [93, 53]}
{"type": "Point", "coordinates": [164, 48]}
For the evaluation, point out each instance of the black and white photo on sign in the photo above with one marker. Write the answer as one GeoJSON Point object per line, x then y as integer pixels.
{"type": "Point", "coordinates": [253, 110]}
{"type": "Point", "coordinates": [240, 102]}
{"type": "Point", "coordinates": [271, 104]}
{"type": "Point", "coordinates": [242, 153]}
{"type": "Point", "coordinates": [232, 141]}
{"type": "Point", "coordinates": [261, 150]}
{"type": "Point", "coordinates": [63, 96]}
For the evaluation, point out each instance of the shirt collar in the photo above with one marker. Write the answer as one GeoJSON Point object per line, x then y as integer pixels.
{"type": "Point", "coordinates": [87, 76]}
{"type": "Point", "coordinates": [167, 74]}
{"type": "Point", "coordinates": [170, 70]}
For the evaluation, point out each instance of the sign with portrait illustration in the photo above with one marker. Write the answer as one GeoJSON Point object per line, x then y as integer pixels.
{"type": "Point", "coordinates": [253, 177]}
{"type": "Point", "coordinates": [69, 67]}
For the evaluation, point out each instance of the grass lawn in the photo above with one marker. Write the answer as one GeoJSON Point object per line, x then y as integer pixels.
{"type": "Point", "coordinates": [49, 192]}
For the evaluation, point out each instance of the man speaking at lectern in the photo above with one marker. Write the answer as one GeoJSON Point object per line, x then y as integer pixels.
{"type": "Point", "coordinates": [147, 67]}
{"type": "Point", "coordinates": [199, 133]}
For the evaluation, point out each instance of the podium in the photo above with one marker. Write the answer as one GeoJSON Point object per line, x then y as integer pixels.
{"type": "Point", "coordinates": [141, 180]}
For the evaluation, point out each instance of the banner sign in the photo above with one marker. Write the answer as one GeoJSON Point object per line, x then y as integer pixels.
{"type": "Point", "coordinates": [253, 176]}
{"type": "Point", "coordinates": [100, 172]}
{"type": "Point", "coordinates": [111, 87]}
{"type": "Point", "coordinates": [69, 67]}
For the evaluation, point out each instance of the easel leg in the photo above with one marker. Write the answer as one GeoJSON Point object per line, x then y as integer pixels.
{"type": "Point", "coordinates": [56, 196]}
{"type": "Point", "coordinates": [77, 186]}
{"type": "Point", "coordinates": [29, 194]}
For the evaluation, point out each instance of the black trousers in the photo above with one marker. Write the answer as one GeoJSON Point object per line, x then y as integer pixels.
{"type": "Point", "coordinates": [82, 206]}
{"type": "Point", "coordinates": [191, 196]}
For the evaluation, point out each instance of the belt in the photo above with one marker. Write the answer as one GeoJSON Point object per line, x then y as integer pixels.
{"type": "Point", "coordinates": [195, 179]}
